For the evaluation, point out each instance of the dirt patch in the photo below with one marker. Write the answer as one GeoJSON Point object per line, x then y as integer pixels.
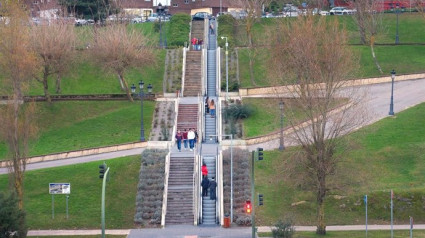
{"type": "Point", "coordinates": [173, 70]}
{"type": "Point", "coordinates": [163, 122]}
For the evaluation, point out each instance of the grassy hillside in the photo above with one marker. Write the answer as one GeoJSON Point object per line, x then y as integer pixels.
{"type": "Point", "coordinates": [386, 155]}
{"type": "Point", "coordinates": [85, 197]}
{"type": "Point", "coordinates": [65, 126]}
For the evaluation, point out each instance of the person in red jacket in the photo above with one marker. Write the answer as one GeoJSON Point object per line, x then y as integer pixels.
{"type": "Point", "coordinates": [204, 170]}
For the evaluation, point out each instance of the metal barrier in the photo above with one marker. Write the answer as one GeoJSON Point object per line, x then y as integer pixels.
{"type": "Point", "coordinates": [195, 187]}
{"type": "Point", "coordinates": [165, 194]}
{"type": "Point", "coordinates": [219, 166]}
{"type": "Point", "coordinates": [218, 71]}
{"type": "Point", "coordinates": [183, 70]}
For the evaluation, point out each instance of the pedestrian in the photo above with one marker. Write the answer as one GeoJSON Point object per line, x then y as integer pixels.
{"type": "Point", "coordinates": [204, 170]}
{"type": "Point", "coordinates": [207, 105]}
{"type": "Point", "coordinates": [196, 137]}
{"type": "Point", "coordinates": [201, 42]}
{"type": "Point", "coordinates": [212, 108]}
{"type": "Point", "coordinates": [212, 28]}
{"type": "Point", "coordinates": [194, 43]}
{"type": "Point", "coordinates": [205, 185]}
{"type": "Point", "coordinates": [179, 138]}
{"type": "Point", "coordinates": [213, 186]}
{"type": "Point", "coordinates": [185, 139]}
{"type": "Point", "coordinates": [191, 138]}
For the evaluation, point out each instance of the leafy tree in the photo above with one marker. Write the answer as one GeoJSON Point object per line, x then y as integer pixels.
{"type": "Point", "coordinates": [12, 219]}
{"type": "Point", "coordinates": [95, 9]}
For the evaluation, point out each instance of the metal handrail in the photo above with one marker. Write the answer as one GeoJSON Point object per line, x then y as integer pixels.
{"type": "Point", "coordinates": [176, 109]}
{"type": "Point", "coordinates": [165, 194]}
{"type": "Point", "coordinates": [218, 71]}
{"type": "Point", "coordinates": [195, 188]}
{"type": "Point", "coordinates": [183, 70]}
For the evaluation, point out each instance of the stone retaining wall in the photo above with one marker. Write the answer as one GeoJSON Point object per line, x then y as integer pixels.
{"type": "Point", "coordinates": [357, 82]}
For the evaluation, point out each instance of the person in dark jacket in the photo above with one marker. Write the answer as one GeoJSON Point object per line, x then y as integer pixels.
{"type": "Point", "coordinates": [179, 138]}
{"type": "Point", "coordinates": [205, 185]}
{"type": "Point", "coordinates": [213, 186]}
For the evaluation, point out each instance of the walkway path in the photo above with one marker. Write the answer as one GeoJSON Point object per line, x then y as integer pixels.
{"type": "Point", "coordinates": [406, 94]}
{"type": "Point", "coordinates": [194, 231]}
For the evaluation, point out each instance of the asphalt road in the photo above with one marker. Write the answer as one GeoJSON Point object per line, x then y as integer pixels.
{"type": "Point", "coordinates": [377, 104]}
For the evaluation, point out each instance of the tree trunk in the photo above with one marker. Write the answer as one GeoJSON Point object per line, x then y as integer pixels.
{"type": "Point", "coordinates": [121, 82]}
{"type": "Point", "coordinates": [58, 84]}
{"type": "Point", "coordinates": [372, 43]}
{"type": "Point", "coordinates": [321, 193]}
{"type": "Point", "coordinates": [126, 89]}
{"type": "Point", "coordinates": [45, 84]}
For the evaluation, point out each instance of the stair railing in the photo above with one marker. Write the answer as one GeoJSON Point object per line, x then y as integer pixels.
{"type": "Point", "coordinates": [206, 33]}
{"type": "Point", "coordinates": [201, 118]}
{"type": "Point", "coordinates": [183, 70]}
{"type": "Point", "coordinates": [165, 194]}
{"type": "Point", "coordinates": [196, 183]}
{"type": "Point", "coordinates": [218, 119]}
{"type": "Point", "coordinates": [219, 176]}
{"type": "Point", "coordinates": [218, 71]}
{"type": "Point", "coordinates": [176, 110]}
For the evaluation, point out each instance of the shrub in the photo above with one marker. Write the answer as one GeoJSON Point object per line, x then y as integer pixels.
{"type": "Point", "coordinates": [283, 229]}
{"type": "Point", "coordinates": [12, 219]}
{"type": "Point", "coordinates": [238, 111]}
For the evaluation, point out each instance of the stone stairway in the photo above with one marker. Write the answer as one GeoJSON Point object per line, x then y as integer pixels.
{"type": "Point", "coordinates": [180, 190]}
{"type": "Point", "coordinates": [197, 30]}
{"type": "Point", "coordinates": [193, 74]}
{"type": "Point", "coordinates": [208, 205]}
{"type": "Point", "coordinates": [187, 117]}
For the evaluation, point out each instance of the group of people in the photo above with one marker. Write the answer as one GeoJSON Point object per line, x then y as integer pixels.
{"type": "Point", "coordinates": [210, 106]}
{"type": "Point", "coordinates": [189, 138]}
{"type": "Point", "coordinates": [207, 184]}
{"type": "Point", "coordinates": [197, 43]}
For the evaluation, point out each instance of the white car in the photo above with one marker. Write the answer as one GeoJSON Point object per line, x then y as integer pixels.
{"type": "Point", "coordinates": [137, 20]}
{"type": "Point", "coordinates": [80, 22]}
{"type": "Point", "coordinates": [341, 11]}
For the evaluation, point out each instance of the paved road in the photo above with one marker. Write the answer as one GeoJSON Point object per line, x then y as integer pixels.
{"type": "Point", "coordinates": [203, 232]}
{"type": "Point", "coordinates": [79, 160]}
{"type": "Point", "coordinates": [406, 94]}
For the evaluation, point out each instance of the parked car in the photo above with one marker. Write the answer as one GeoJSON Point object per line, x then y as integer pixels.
{"type": "Point", "coordinates": [153, 17]}
{"type": "Point", "coordinates": [136, 20]}
{"type": "Point", "coordinates": [80, 22]}
{"type": "Point", "coordinates": [199, 16]}
{"type": "Point", "coordinates": [341, 11]}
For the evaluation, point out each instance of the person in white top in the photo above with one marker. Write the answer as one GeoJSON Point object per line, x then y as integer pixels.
{"type": "Point", "coordinates": [191, 138]}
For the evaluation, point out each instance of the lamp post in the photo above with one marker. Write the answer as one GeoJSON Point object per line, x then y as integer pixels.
{"type": "Point", "coordinates": [221, 7]}
{"type": "Point", "coordinates": [397, 12]}
{"type": "Point", "coordinates": [162, 10]}
{"type": "Point", "coordinates": [141, 95]}
{"type": "Point", "coordinates": [231, 173]}
{"type": "Point", "coordinates": [227, 67]}
{"type": "Point", "coordinates": [392, 93]}
{"type": "Point", "coordinates": [281, 146]}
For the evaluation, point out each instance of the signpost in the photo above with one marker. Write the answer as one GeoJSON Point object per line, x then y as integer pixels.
{"type": "Point", "coordinates": [59, 188]}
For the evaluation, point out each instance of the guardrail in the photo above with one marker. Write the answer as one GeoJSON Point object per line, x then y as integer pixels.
{"type": "Point", "coordinates": [218, 119]}
{"type": "Point", "coordinates": [195, 187]}
{"type": "Point", "coordinates": [218, 71]}
{"type": "Point", "coordinates": [183, 70]}
{"type": "Point", "coordinates": [165, 194]}
{"type": "Point", "coordinates": [219, 166]}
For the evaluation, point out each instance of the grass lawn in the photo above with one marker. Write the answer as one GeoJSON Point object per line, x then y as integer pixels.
{"type": "Point", "coordinates": [355, 234]}
{"type": "Point", "coordinates": [74, 125]}
{"type": "Point", "coordinates": [405, 59]}
{"type": "Point", "coordinates": [86, 78]}
{"type": "Point", "coordinates": [266, 116]}
{"type": "Point", "coordinates": [386, 155]}
{"type": "Point", "coordinates": [85, 198]}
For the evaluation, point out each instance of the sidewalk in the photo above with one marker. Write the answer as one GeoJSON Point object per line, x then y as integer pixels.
{"type": "Point", "coordinates": [195, 231]}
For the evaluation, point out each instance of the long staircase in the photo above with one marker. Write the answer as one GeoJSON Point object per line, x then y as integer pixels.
{"type": "Point", "coordinates": [193, 74]}
{"type": "Point", "coordinates": [180, 191]}
{"type": "Point", "coordinates": [187, 117]}
{"type": "Point", "coordinates": [208, 205]}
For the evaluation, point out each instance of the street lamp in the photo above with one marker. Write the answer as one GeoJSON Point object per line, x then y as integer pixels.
{"type": "Point", "coordinates": [227, 67]}
{"type": "Point", "coordinates": [281, 146]}
{"type": "Point", "coordinates": [231, 173]}
{"type": "Point", "coordinates": [392, 93]}
{"type": "Point", "coordinates": [162, 10]}
{"type": "Point", "coordinates": [397, 12]}
{"type": "Point", "coordinates": [141, 95]}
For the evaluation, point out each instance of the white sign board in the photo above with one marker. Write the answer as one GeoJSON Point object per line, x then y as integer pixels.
{"type": "Point", "coordinates": [59, 188]}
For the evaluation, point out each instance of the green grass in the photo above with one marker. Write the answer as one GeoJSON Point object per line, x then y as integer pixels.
{"type": "Point", "coordinates": [85, 198]}
{"type": "Point", "coordinates": [355, 234]}
{"type": "Point", "coordinates": [86, 78]}
{"type": "Point", "coordinates": [405, 59]}
{"type": "Point", "coordinates": [387, 155]}
{"type": "Point", "coordinates": [75, 125]}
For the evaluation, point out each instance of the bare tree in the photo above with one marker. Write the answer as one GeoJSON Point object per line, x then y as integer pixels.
{"type": "Point", "coordinates": [17, 64]}
{"type": "Point", "coordinates": [118, 49]}
{"type": "Point", "coordinates": [54, 45]}
{"type": "Point", "coordinates": [419, 5]}
{"type": "Point", "coordinates": [315, 55]}
{"type": "Point", "coordinates": [253, 9]}
{"type": "Point", "coordinates": [369, 22]}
